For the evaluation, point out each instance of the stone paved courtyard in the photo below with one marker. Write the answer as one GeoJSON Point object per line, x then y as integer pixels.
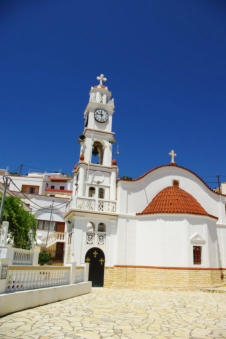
{"type": "Point", "coordinates": [119, 313]}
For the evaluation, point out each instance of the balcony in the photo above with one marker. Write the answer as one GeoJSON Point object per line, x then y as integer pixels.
{"type": "Point", "coordinates": [95, 205]}
{"type": "Point", "coordinates": [58, 190]}
{"type": "Point", "coordinates": [49, 239]}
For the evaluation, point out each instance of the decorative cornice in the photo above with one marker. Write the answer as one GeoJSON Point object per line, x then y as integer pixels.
{"type": "Point", "coordinates": [148, 215]}
{"type": "Point", "coordinates": [98, 131]}
{"type": "Point", "coordinates": [97, 165]}
{"type": "Point", "coordinates": [174, 268]}
{"type": "Point", "coordinates": [172, 165]}
{"type": "Point", "coordinates": [90, 212]}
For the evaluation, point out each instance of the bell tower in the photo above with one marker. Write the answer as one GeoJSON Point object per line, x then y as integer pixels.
{"type": "Point", "coordinates": [97, 136]}
{"type": "Point", "coordinates": [95, 176]}
{"type": "Point", "coordinates": [91, 215]}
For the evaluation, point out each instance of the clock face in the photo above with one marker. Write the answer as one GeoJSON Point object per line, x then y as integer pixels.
{"type": "Point", "coordinates": [101, 115]}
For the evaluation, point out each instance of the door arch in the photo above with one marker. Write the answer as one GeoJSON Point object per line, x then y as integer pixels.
{"type": "Point", "coordinates": [96, 259]}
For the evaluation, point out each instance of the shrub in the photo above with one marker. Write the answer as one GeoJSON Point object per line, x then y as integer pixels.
{"type": "Point", "coordinates": [44, 258]}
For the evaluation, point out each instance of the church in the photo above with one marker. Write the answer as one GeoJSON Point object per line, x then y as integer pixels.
{"type": "Point", "coordinates": [166, 228]}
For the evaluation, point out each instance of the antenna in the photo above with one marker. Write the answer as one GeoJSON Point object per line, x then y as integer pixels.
{"type": "Point", "coordinates": [21, 169]}
{"type": "Point", "coordinates": [117, 150]}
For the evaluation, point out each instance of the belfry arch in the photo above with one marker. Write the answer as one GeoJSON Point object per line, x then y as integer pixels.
{"type": "Point", "coordinates": [97, 153]}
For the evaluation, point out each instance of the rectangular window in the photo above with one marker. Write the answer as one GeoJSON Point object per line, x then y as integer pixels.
{"type": "Point", "coordinates": [61, 187]}
{"type": "Point", "coordinates": [30, 189]}
{"type": "Point", "coordinates": [197, 255]}
{"type": "Point", "coordinates": [52, 225]}
{"type": "Point", "coordinates": [59, 227]}
{"type": "Point", "coordinates": [52, 187]}
{"type": "Point", "coordinates": [40, 224]}
{"type": "Point", "coordinates": [46, 227]}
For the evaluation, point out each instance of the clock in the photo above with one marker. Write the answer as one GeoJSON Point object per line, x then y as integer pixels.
{"type": "Point", "coordinates": [101, 115]}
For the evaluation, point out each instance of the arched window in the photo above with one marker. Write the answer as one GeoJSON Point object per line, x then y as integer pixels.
{"type": "Point", "coordinates": [91, 192]}
{"type": "Point", "coordinates": [90, 227]}
{"type": "Point", "coordinates": [101, 193]}
{"type": "Point", "coordinates": [97, 153]}
{"type": "Point", "coordinates": [101, 227]}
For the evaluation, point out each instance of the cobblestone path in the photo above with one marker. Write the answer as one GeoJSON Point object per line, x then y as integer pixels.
{"type": "Point", "coordinates": [119, 313]}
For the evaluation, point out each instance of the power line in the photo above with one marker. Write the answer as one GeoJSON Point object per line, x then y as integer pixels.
{"type": "Point", "coordinates": [27, 197]}
{"type": "Point", "coordinates": [33, 168]}
{"type": "Point", "coordinates": [5, 179]}
{"type": "Point", "coordinates": [23, 193]}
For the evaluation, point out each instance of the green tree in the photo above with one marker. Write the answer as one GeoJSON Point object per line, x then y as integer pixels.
{"type": "Point", "coordinates": [20, 221]}
{"type": "Point", "coordinates": [126, 178]}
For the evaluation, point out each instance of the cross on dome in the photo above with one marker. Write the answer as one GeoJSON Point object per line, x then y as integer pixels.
{"type": "Point", "coordinates": [173, 155]}
{"type": "Point", "coordinates": [101, 78]}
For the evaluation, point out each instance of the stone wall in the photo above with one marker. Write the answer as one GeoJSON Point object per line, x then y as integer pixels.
{"type": "Point", "coordinates": [146, 277]}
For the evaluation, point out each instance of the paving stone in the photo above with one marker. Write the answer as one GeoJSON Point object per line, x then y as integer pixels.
{"type": "Point", "coordinates": [123, 313]}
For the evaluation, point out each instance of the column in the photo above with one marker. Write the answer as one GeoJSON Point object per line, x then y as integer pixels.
{"type": "Point", "coordinates": [113, 183]}
{"type": "Point", "coordinates": [107, 154]}
{"type": "Point", "coordinates": [36, 251]}
{"type": "Point", "coordinates": [72, 259]}
{"type": "Point", "coordinates": [81, 181]}
{"type": "Point", "coordinates": [3, 274]}
{"type": "Point", "coordinates": [3, 233]}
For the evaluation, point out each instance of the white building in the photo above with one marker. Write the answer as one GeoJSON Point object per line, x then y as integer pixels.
{"type": "Point", "coordinates": [47, 195]}
{"type": "Point", "coordinates": [166, 227]}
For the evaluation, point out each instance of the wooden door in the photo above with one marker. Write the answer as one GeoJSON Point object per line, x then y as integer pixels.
{"type": "Point", "coordinates": [96, 260]}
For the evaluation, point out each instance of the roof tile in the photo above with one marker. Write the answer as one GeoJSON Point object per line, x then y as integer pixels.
{"type": "Point", "coordinates": [173, 199]}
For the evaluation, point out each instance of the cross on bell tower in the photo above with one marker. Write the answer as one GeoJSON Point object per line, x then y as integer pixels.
{"type": "Point", "coordinates": [101, 78]}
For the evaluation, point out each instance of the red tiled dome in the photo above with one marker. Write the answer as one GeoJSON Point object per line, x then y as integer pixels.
{"type": "Point", "coordinates": [173, 199]}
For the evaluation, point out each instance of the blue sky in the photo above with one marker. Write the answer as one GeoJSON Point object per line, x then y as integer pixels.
{"type": "Point", "coordinates": [166, 67]}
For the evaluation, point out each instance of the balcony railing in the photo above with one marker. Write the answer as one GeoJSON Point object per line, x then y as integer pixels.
{"type": "Point", "coordinates": [96, 205]}
{"type": "Point", "coordinates": [53, 237]}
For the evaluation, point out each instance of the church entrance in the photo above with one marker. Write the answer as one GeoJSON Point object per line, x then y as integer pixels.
{"type": "Point", "coordinates": [95, 258]}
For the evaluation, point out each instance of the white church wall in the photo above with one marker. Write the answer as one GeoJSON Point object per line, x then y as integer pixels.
{"type": "Point", "coordinates": [111, 246]}
{"type": "Point", "coordinates": [166, 241]}
{"type": "Point", "coordinates": [79, 242]}
{"type": "Point", "coordinates": [134, 196]}
{"type": "Point", "coordinates": [79, 239]}
{"type": "Point", "coordinates": [126, 238]}
{"type": "Point", "coordinates": [213, 244]}
{"type": "Point", "coordinates": [161, 241]}
{"type": "Point", "coordinates": [221, 236]}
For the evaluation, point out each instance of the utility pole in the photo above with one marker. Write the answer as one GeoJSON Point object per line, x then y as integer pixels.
{"type": "Point", "coordinates": [5, 180]}
{"type": "Point", "coordinates": [219, 184]}
{"type": "Point", "coordinates": [50, 219]}
{"type": "Point", "coordinates": [21, 168]}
